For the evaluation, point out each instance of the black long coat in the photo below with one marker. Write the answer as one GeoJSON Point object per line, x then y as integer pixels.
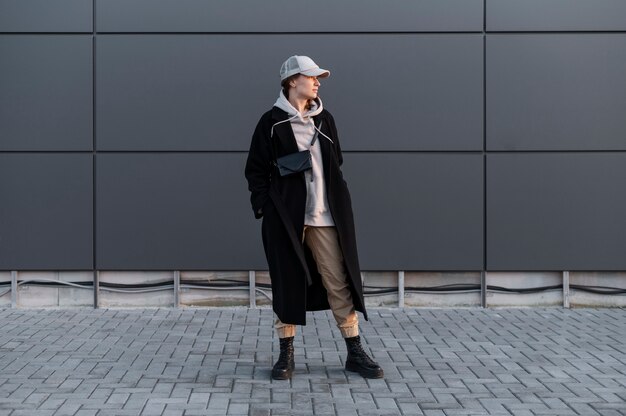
{"type": "Point", "coordinates": [280, 201]}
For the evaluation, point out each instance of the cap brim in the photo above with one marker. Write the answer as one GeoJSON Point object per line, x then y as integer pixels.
{"type": "Point", "coordinates": [317, 72]}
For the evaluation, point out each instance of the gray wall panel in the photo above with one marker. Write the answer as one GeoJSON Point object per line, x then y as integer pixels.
{"type": "Point", "coordinates": [556, 211]}
{"type": "Point", "coordinates": [46, 212]}
{"type": "Point", "coordinates": [553, 15]}
{"type": "Point", "coordinates": [46, 16]}
{"type": "Point", "coordinates": [291, 16]}
{"type": "Point", "coordinates": [200, 92]}
{"type": "Point", "coordinates": [556, 92]}
{"type": "Point", "coordinates": [175, 212]}
{"type": "Point", "coordinates": [415, 92]}
{"type": "Point", "coordinates": [46, 92]}
{"type": "Point", "coordinates": [416, 211]}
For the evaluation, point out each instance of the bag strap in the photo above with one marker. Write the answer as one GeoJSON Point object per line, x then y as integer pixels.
{"type": "Point", "coordinates": [273, 162]}
{"type": "Point", "coordinates": [316, 132]}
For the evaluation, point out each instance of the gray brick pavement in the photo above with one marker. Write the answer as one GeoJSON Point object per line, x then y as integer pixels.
{"type": "Point", "coordinates": [438, 362]}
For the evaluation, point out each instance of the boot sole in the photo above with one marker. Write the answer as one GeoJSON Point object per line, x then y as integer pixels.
{"type": "Point", "coordinates": [283, 376]}
{"type": "Point", "coordinates": [364, 372]}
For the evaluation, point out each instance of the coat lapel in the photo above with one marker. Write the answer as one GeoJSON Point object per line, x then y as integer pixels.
{"type": "Point", "coordinates": [324, 142]}
{"type": "Point", "coordinates": [283, 132]}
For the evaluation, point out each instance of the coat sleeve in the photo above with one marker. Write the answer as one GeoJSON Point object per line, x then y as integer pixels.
{"type": "Point", "coordinates": [335, 135]}
{"type": "Point", "coordinates": [258, 169]}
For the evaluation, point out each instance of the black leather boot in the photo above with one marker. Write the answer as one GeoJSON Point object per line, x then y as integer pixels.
{"type": "Point", "coordinates": [359, 362]}
{"type": "Point", "coordinates": [284, 366]}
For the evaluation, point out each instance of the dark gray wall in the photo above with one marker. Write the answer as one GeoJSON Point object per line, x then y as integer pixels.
{"type": "Point", "coordinates": [46, 214]}
{"type": "Point", "coordinates": [291, 16]}
{"type": "Point", "coordinates": [556, 91]}
{"type": "Point", "coordinates": [199, 92]}
{"type": "Point", "coordinates": [478, 135]}
{"type": "Point", "coordinates": [46, 16]}
{"type": "Point", "coordinates": [46, 92]}
{"type": "Point", "coordinates": [556, 211]}
{"type": "Point", "coordinates": [174, 211]}
{"type": "Point", "coordinates": [555, 15]}
{"type": "Point", "coordinates": [418, 224]}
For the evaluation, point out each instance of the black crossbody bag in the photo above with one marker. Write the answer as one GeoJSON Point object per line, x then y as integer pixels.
{"type": "Point", "coordinates": [296, 162]}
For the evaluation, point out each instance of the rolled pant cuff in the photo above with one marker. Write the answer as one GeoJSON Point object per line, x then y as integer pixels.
{"type": "Point", "coordinates": [286, 332]}
{"type": "Point", "coordinates": [349, 332]}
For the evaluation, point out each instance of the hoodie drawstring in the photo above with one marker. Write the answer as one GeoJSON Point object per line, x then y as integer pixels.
{"type": "Point", "coordinates": [283, 121]}
{"type": "Point", "coordinates": [322, 133]}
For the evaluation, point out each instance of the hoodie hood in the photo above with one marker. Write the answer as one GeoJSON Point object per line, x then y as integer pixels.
{"type": "Point", "coordinates": [283, 103]}
{"type": "Point", "coordinates": [294, 115]}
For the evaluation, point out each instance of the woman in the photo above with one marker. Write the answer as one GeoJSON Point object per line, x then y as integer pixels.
{"type": "Point", "coordinates": [308, 228]}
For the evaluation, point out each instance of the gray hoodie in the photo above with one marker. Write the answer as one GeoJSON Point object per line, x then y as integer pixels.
{"type": "Point", "coordinates": [317, 212]}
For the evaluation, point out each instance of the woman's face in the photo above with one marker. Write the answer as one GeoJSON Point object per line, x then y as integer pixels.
{"type": "Point", "coordinates": [306, 87]}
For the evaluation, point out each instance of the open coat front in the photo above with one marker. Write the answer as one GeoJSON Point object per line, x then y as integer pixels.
{"type": "Point", "coordinates": [280, 201]}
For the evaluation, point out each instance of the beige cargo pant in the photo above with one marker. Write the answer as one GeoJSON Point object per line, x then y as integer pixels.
{"type": "Point", "coordinates": [324, 245]}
